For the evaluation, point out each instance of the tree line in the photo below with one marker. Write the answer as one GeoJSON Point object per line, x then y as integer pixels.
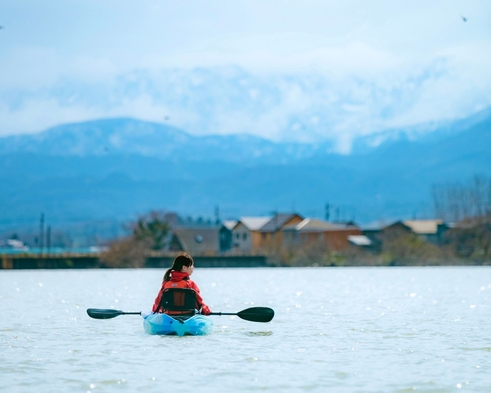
{"type": "Point", "coordinates": [465, 206]}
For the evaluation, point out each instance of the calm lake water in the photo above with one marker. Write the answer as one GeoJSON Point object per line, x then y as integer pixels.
{"type": "Point", "coordinates": [336, 329]}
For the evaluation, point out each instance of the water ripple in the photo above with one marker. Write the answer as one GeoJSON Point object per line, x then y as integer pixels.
{"type": "Point", "coordinates": [338, 330]}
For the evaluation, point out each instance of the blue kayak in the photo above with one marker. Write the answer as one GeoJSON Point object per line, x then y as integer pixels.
{"type": "Point", "coordinates": [197, 325]}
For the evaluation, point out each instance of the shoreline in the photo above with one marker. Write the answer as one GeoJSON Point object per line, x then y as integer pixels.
{"type": "Point", "coordinates": [78, 261]}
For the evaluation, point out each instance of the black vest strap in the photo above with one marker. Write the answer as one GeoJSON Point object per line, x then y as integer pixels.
{"type": "Point", "coordinates": [178, 300]}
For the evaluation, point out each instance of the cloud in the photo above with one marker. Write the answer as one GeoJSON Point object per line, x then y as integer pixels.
{"type": "Point", "coordinates": [330, 71]}
{"type": "Point", "coordinates": [457, 85]}
{"type": "Point", "coordinates": [38, 113]}
{"type": "Point", "coordinates": [305, 107]}
{"type": "Point", "coordinates": [291, 53]}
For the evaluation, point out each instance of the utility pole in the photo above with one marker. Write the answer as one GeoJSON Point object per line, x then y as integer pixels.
{"type": "Point", "coordinates": [327, 211]}
{"type": "Point", "coordinates": [273, 233]}
{"type": "Point", "coordinates": [217, 214]}
{"type": "Point", "coordinates": [41, 234]}
{"type": "Point", "coordinates": [48, 240]}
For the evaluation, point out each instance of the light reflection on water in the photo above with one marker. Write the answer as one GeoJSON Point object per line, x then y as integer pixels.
{"type": "Point", "coordinates": [335, 329]}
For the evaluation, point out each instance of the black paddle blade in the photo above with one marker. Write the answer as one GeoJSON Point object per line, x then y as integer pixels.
{"type": "Point", "coordinates": [98, 313]}
{"type": "Point", "coordinates": [257, 314]}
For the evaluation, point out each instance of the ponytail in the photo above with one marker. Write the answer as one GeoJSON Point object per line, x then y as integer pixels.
{"type": "Point", "coordinates": [183, 259]}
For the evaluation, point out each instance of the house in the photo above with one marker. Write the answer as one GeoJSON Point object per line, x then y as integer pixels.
{"type": "Point", "coordinates": [309, 231]}
{"type": "Point", "coordinates": [196, 241]}
{"type": "Point", "coordinates": [471, 237]}
{"type": "Point", "coordinates": [226, 235]}
{"type": "Point", "coordinates": [271, 232]}
{"type": "Point", "coordinates": [373, 231]}
{"type": "Point", "coordinates": [246, 236]}
{"type": "Point", "coordinates": [14, 244]}
{"type": "Point", "coordinates": [431, 231]}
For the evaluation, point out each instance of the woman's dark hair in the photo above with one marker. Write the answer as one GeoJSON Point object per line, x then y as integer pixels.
{"type": "Point", "coordinates": [183, 259]}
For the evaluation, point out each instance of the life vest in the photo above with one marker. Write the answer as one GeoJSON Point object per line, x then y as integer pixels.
{"type": "Point", "coordinates": [174, 285]}
{"type": "Point", "coordinates": [180, 280]}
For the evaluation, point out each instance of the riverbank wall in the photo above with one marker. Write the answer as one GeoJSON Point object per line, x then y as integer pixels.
{"type": "Point", "coordinates": [70, 261]}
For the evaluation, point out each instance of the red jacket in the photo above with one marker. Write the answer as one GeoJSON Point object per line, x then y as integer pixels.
{"type": "Point", "coordinates": [182, 278]}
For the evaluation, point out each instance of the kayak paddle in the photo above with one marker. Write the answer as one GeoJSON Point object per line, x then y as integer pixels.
{"type": "Point", "coordinates": [254, 314]}
{"type": "Point", "coordinates": [107, 313]}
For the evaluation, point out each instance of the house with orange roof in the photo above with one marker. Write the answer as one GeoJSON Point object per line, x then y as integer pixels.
{"type": "Point", "coordinates": [272, 232]}
{"type": "Point", "coordinates": [309, 231]}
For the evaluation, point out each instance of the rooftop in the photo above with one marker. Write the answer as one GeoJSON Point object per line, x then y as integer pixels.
{"type": "Point", "coordinates": [253, 223]}
{"type": "Point", "coordinates": [198, 240]}
{"type": "Point", "coordinates": [230, 224]}
{"type": "Point", "coordinates": [277, 222]}
{"type": "Point", "coordinates": [359, 240]}
{"type": "Point", "coordinates": [312, 225]}
{"type": "Point", "coordinates": [423, 226]}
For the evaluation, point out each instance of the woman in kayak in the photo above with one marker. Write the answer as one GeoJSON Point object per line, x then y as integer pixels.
{"type": "Point", "coordinates": [178, 277]}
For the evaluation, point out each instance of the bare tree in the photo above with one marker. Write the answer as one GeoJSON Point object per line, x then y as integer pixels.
{"type": "Point", "coordinates": [152, 227]}
{"type": "Point", "coordinates": [457, 201]}
{"type": "Point", "coordinates": [149, 233]}
{"type": "Point", "coordinates": [468, 205]}
{"type": "Point", "coordinates": [126, 253]}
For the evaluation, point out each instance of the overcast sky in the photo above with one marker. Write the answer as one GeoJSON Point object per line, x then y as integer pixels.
{"type": "Point", "coordinates": [329, 68]}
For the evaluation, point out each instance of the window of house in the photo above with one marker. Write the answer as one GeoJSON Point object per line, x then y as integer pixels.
{"type": "Point", "coordinates": [244, 236]}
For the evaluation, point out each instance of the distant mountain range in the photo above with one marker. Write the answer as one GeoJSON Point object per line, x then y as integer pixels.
{"type": "Point", "coordinates": [116, 137]}
{"type": "Point", "coordinates": [113, 169]}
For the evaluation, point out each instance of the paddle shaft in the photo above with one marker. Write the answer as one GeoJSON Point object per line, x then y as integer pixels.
{"type": "Point", "coordinates": [223, 313]}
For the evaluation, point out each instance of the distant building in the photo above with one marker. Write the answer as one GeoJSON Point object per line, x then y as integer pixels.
{"type": "Point", "coordinates": [226, 235]}
{"type": "Point", "coordinates": [373, 231]}
{"type": "Point", "coordinates": [431, 231]}
{"type": "Point", "coordinates": [309, 231]}
{"type": "Point", "coordinates": [14, 244]}
{"type": "Point", "coordinates": [196, 241]}
{"type": "Point", "coordinates": [272, 231]}
{"type": "Point", "coordinates": [471, 236]}
{"type": "Point", "coordinates": [246, 236]}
